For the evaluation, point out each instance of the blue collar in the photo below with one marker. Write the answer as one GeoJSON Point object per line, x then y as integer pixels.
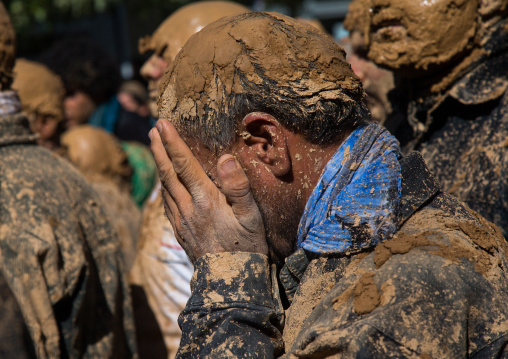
{"type": "Point", "coordinates": [356, 202]}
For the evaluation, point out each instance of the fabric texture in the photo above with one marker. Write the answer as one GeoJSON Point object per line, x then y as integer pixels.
{"type": "Point", "coordinates": [9, 103]}
{"type": "Point", "coordinates": [58, 253]}
{"type": "Point", "coordinates": [462, 132]}
{"type": "Point", "coordinates": [144, 172]}
{"type": "Point", "coordinates": [355, 204]}
{"type": "Point", "coordinates": [106, 115]}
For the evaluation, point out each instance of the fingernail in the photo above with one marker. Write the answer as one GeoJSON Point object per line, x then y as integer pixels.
{"type": "Point", "coordinates": [229, 165]}
{"type": "Point", "coordinates": [150, 134]}
{"type": "Point", "coordinates": [159, 126]}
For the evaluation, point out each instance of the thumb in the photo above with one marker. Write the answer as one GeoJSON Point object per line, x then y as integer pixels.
{"type": "Point", "coordinates": [234, 184]}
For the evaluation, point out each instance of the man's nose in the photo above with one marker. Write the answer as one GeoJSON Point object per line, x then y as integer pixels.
{"type": "Point", "coordinates": [147, 70]}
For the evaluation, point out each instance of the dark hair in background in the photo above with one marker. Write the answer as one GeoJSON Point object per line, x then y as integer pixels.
{"type": "Point", "coordinates": [85, 66]}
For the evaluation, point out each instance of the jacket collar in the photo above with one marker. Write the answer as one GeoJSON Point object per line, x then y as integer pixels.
{"type": "Point", "coordinates": [488, 79]}
{"type": "Point", "coordinates": [419, 187]}
{"type": "Point", "coordinates": [484, 80]}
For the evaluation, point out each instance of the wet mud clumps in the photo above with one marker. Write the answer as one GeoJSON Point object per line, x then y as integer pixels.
{"type": "Point", "coordinates": [410, 34]}
{"type": "Point", "coordinates": [40, 90]}
{"type": "Point", "coordinates": [7, 49]}
{"type": "Point", "coordinates": [260, 62]}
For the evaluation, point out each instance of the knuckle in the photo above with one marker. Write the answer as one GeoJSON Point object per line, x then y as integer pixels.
{"type": "Point", "coordinates": [166, 177]}
{"type": "Point", "coordinates": [182, 165]}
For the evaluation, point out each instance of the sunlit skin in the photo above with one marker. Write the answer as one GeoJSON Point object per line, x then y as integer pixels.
{"type": "Point", "coordinates": [254, 207]}
{"type": "Point", "coordinates": [153, 70]}
{"type": "Point", "coordinates": [48, 128]}
{"type": "Point", "coordinates": [78, 108]}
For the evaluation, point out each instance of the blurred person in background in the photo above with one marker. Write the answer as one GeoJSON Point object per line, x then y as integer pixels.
{"type": "Point", "coordinates": [64, 291]}
{"type": "Point", "coordinates": [135, 120]}
{"type": "Point", "coordinates": [92, 79]}
{"type": "Point", "coordinates": [42, 94]}
{"type": "Point", "coordinates": [451, 79]}
{"type": "Point", "coordinates": [102, 161]}
{"type": "Point", "coordinates": [377, 82]}
{"type": "Point", "coordinates": [134, 98]}
{"type": "Point", "coordinates": [162, 271]}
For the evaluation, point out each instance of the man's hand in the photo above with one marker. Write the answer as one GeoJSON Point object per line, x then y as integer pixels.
{"type": "Point", "coordinates": [204, 218]}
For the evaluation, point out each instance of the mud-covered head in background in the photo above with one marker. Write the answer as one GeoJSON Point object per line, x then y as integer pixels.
{"type": "Point", "coordinates": [173, 33]}
{"type": "Point", "coordinates": [42, 94]}
{"type": "Point", "coordinates": [416, 36]}
{"type": "Point", "coordinates": [7, 49]}
{"type": "Point", "coordinates": [97, 154]}
{"type": "Point", "coordinates": [261, 62]}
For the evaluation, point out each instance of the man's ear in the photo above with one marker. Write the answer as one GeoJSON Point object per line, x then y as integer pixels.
{"type": "Point", "coordinates": [266, 139]}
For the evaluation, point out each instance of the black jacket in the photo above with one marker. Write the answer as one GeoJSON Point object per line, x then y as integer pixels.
{"type": "Point", "coordinates": [462, 133]}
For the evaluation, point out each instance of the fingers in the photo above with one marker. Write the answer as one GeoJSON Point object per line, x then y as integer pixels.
{"type": "Point", "coordinates": [235, 186]}
{"type": "Point", "coordinates": [167, 174]}
{"type": "Point", "coordinates": [185, 165]}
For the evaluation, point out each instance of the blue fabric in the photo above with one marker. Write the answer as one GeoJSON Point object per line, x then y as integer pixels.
{"type": "Point", "coordinates": [106, 115]}
{"type": "Point", "coordinates": [356, 202]}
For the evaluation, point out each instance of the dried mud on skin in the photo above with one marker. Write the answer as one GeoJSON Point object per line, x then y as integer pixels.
{"type": "Point", "coordinates": [40, 90]}
{"type": "Point", "coordinates": [239, 58]}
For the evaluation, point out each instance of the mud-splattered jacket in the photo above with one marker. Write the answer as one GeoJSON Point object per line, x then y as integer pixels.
{"type": "Point", "coordinates": [463, 132]}
{"type": "Point", "coordinates": [437, 289]}
{"type": "Point", "coordinates": [58, 254]}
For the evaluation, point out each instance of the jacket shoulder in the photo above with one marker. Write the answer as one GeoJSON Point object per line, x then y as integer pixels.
{"type": "Point", "coordinates": [416, 293]}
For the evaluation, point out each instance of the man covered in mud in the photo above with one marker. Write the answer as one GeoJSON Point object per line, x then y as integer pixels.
{"type": "Point", "coordinates": [162, 269]}
{"type": "Point", "coordinates": [311, 236]}
{"type": "Point", "coordinates": [449, 59]}
{"type": "Point", "coordinates": [42, 95]}
{"type": "Point", "coordinates": [60, 273]}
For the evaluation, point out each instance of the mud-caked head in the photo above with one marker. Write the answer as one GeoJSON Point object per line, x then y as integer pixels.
{"type": "Point", "coordinates": [42, 95]}
{"type": "Point", "coordinates": [7, 49]}
{"type": "Point", "coordinates": [97, 154]}
{"type": "Point", "coordinates": [173, 33]}
{"type": "Point", "coordinates": [422, 35]}
{"type": "Point", "coordinates": [277, 94]}
{"type": "Point", "coordinates": [260, 62]}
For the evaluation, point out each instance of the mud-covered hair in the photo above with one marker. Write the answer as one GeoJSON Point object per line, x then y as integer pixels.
{"type": "Point", "coordinates": [261, 62]}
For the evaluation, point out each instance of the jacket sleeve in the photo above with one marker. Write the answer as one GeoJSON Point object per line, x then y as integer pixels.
{"type": "Point", "coordinates": [231, 312]}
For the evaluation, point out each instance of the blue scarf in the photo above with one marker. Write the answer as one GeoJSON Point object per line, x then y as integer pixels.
{"type": "Point", "coordinates": [356, 202]}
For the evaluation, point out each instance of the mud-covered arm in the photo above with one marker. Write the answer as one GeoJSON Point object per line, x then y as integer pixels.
{"type": "Point", "coordinates": [230, 313]}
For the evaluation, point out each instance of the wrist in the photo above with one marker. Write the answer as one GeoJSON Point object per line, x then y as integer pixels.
{"type": "Point", "coordinates": [229, 277]}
